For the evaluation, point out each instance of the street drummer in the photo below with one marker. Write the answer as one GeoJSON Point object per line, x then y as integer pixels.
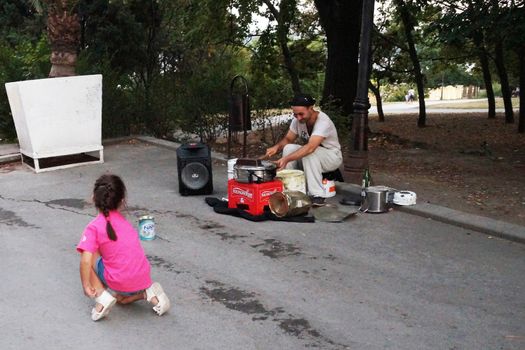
{"type": "Point", "coordinates": [321, 151]}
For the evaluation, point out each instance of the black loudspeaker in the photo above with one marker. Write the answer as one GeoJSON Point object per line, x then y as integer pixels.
{"type": "Point", "coordinates": [194, 169]}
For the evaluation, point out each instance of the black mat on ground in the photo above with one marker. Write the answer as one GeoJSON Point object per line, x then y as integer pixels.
{"type": "Point", "coordinates": [221, 207]}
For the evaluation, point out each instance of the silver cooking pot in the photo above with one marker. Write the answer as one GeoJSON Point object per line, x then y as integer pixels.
{"type": "Point", "coordinates": [255, 172]}
{"type": "Point", "coordinates": [377, 200]}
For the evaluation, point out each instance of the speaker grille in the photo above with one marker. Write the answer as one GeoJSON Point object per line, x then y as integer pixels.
{"type": "Point", "coordinates": [195, 176]}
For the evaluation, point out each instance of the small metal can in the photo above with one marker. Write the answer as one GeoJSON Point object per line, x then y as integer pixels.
{"type": "Point", "coordinates": [146, 228]}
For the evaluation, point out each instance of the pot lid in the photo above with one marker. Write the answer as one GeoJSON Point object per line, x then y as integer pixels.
{"type": "Point", "coordinates": [377, 189]}
{"type": "Point", "coordinates": [254, 164]}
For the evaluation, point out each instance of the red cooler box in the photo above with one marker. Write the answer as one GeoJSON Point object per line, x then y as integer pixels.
{"type": "Point", "coordinates": [252, 197]}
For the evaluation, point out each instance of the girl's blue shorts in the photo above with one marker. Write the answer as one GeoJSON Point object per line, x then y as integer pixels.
{"type": "Point", "coordinates": [99, 269]}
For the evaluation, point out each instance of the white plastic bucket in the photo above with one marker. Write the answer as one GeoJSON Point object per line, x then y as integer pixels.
{"type": "Point", "coordinates": [328, 188]}
{"type": "Point", "coordinates": [231, 163]}
{"type": "Point", "coordinates": [292, 179]}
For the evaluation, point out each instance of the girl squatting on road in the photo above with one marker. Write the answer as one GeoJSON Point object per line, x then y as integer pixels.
{"type": "Point", "coordinates": [113, 266]}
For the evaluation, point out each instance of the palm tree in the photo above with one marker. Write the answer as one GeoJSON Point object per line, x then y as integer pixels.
{"type": "Point", "coordinates": [63, 31]}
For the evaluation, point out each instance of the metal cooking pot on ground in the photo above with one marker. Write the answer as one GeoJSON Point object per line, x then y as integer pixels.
{"type": "Point", "coordinates": [254, 170]}
{"type": "Point", "coordinates": [377, 199]}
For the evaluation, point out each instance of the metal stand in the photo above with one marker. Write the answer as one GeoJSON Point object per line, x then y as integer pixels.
{"type": "Point", "coordinates": [239, 114]}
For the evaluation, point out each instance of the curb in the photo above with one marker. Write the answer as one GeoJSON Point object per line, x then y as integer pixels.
{"type": "Point", "coordinates": [501, 229]}
{"type": "Point", "coordinates": [8, 158]}
{"type": "Point", "coordinates": [174, 145]}
{"type": "Point", "coordinates": [9, 153]}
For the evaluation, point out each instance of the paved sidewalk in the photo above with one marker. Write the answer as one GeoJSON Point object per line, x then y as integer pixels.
{"type": "Point", "coordinates": [9, 153]}
{"type": "Point", "coordinates": [505, 230]}
{"type": "Point", "coordinates": [458, 218]}
{"type": "Point", "coordinates": [478, 223]}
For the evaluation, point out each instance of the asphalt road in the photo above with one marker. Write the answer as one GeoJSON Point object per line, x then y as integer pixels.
{"type": "Point", "coordinates": [375, 281]}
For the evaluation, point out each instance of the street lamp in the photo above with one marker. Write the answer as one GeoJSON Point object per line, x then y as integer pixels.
{"type": "Point", "coordinates": [357, 159]}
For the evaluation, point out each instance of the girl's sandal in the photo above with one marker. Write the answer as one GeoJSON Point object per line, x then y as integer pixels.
{"type": "Point", "coordinates": [107, 301]}
{"type": "Point", "coordinates": [156, 291]}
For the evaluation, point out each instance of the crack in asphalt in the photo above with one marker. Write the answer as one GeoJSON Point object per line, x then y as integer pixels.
{"type": "Point", "coordinates": [56, 204]}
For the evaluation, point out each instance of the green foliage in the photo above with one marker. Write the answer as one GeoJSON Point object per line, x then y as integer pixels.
{"type": "Point", "coordinates": [19, 22]}
{"type": "Point", "coordinates": [272, 129]}
{"type": "Point", "coordinates": [8, 69]}
{"type": "Point", "coordinates": [203, 98]}
{"type": "Point", "coordinates": [395, 92]}
{"type": "Point", "coordinates": [497, 89]}
{"type": "Point", "coordinates": [342, 122]}
{"type": "Point", "coordinates": [118, 109]}
{"type": "Point", "coordinates": [167, 64]}
{"type": "Point", "coordinates": [446, 42]}
{"type": "Point", "coordinates": [172, 64]}
{"type": "Point", "coordinates": [269, 90]}
{"type": "Point", "coordinates": [465, 28]}
{"type": "Point", "coordinates": [22, 62]}
{"type": "Point", "coordinates": [34, 58]}
{"type": "Point", "coordinates": [451, 73]}
{"type": "Point", "coordinates": [24, 53]}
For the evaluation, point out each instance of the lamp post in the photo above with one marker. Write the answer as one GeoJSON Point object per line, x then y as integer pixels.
{"type": "Point", "coordinates": [357, 159]}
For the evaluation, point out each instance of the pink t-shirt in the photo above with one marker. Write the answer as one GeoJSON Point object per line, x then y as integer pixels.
{"type": "Point", "coordinates": [126, 268]}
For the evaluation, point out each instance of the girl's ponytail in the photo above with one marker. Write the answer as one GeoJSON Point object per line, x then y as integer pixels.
{"type": "Point", "coordinates": [108, 194]}
{"type": "Point", "coordinates": [111, 232]}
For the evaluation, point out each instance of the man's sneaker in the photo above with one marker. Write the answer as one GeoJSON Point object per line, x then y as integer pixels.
{"type": "Point", "coordinates": [318, 201]}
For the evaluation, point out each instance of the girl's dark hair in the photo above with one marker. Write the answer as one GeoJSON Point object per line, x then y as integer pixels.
{"type": "Point", "coordinates": [108, 193]}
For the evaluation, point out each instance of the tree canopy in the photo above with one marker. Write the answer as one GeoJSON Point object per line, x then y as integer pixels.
{"type": "Point", "coordinates": [167, 64]}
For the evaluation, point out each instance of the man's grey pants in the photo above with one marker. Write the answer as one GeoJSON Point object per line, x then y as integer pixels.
{"type": "Point", "coordinates": [314, 165]}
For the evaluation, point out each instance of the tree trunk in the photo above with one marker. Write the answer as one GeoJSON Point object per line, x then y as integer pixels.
{"type": "Point", "coordinates": [504, 80]}
{"type": "Point", "coordinates": [521, 123]}
{"type": "Point", "coordinates": [379, 103]}
{"type": "Point", "coordinates": [418, 76]}
{"type": "Point", "coordinates": [341, 22]}
{"type": "Point", "coordinates": [63, 30]}
{"type": "Point", "coordinates": [487, 78]}
{"type": "Point", "coordinates": [283, 16]}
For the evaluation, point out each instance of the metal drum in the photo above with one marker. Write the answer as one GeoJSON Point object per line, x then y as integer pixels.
{"type": "Point", "coordinates": [289, 203]}
{"type": "Point", "coordinates": [254, 171]}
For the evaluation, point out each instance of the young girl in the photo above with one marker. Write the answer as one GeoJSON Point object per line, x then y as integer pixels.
{"type": "Point", "coordinates": [112, 257]}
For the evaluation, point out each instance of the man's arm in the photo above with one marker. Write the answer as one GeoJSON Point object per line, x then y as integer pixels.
{"type": "Point", "coordinates": [289, 138]}
{"type": "Point", "coordinates": [314, 142]}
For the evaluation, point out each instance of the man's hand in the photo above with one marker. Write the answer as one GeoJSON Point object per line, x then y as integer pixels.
{"type": "Point", "coordinates": [270, 152]}
{"type": "Point", "coordinates": [281, 163]}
